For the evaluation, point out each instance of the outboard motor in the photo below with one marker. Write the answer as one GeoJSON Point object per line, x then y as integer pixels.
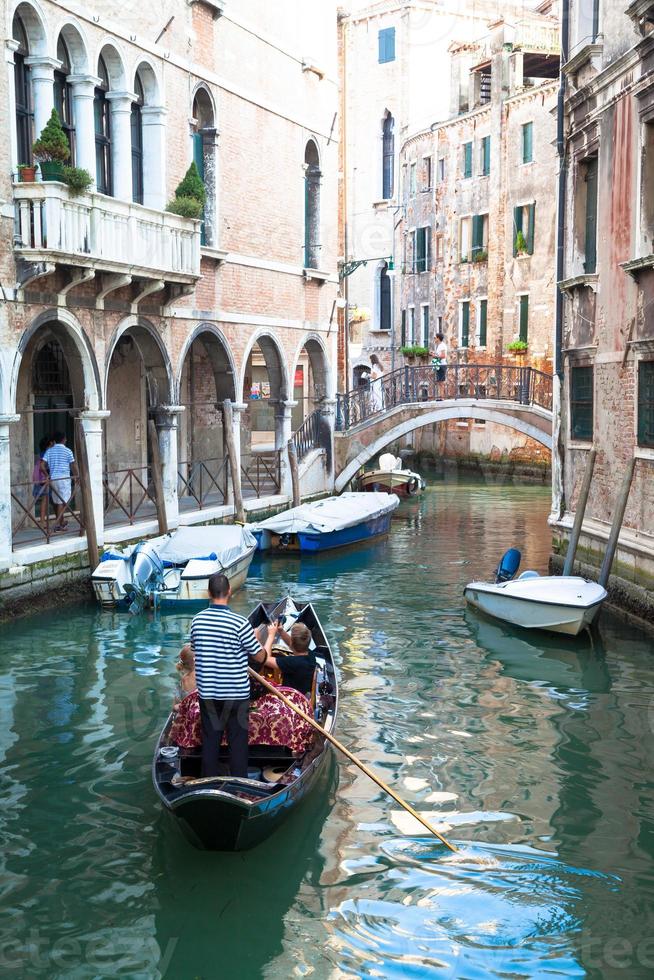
{"type": "Point", "coordinates": [508, 566]}
{"type": "Point", "coordinates": [147, 576]}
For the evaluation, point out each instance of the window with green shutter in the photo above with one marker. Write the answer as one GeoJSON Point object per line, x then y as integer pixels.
{"type": "Point", "coordinates": [465, 323]}
{"type": "Point", "coordinates": [423, 249]}
{"type": "Point", "coordinates": [527, 142]}
{"type": "Point", "coordinates": [524, 222]}
{"type": "Point", "coordinates": [646, 404]}
{"type": "Point", "coordinates": [403, 329]}
{"type": "Point", "coordinates": [425, 326]}
{"type": "Point", "coordinates": [590, 245]}
{"type": "Point", "coordinates": [524, 318]}
{"type": "Point", "coordinates": [531, 219]}
{"type": "Point", "coordinates": [485, 156]}
{"type": "Point", "coordinates": [386, 39]}
{"type": "Point", "coordinates": [478, 243]}
{"type": "Point", "coordinates": [581, 403]}
{"type": "Point", "coordinates": [483, 322]}
{"type": "Point", "coordinates": [467, 159]}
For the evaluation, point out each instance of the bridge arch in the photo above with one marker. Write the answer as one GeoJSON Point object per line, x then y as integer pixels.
{"type": "Point", "coordinates": [522, 420]}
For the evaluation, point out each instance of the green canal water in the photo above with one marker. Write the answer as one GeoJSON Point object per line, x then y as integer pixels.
{"type": "Point", "coordinates": [534, 753]}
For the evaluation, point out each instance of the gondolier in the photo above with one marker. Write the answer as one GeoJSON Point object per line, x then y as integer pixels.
{"type": "Point", "coordinates": [223, 642]}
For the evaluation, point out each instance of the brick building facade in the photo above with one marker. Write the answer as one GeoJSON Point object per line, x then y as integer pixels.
{"type": "Point", "coordinates": [117, 311]}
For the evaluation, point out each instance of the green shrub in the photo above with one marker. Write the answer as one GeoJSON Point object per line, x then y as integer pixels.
{"type": "Point", "coordinates": [520, 243]}
{"type": "Point", "coordinates": [186, 207]}
{"type": "Point", "coordinates": [52, 144]}
{"type": "Point", "coordinates": [517, 346]}
{"type": "Point", "coordinates": [78, 179]}
{"type": "Point", "coordinates": [414, 351]}
{"type": "Point", "coordinates": [192, 186]}
{"type": "Point", "coordinates": [480, 255]}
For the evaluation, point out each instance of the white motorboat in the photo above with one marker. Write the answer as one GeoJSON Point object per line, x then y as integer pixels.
{"type": "Point", "coordinates": [558, 603]}
{"type": "Point", "coordinates": [391, 477]}
{"type": "Point", "coordinates": [173, 568]}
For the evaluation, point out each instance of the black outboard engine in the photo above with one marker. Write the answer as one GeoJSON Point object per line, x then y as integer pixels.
{"type": "Point", "coordinates": [508, 566]}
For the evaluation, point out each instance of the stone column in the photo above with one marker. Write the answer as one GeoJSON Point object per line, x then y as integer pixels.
{"type": "Point", "coordinates": [121, 143]}
{"type": "Point", "coordinates": [6, 543]}
{"type": "Point", "coordinates": [283, 433]}
{"type": "Point", "coordinates": [83, 90]}
{"type": "Point", "coordinates": [154, 156]}
{"type": "Point", "coordinates": [165, 418]}
{"type": "Point", "coordinates": [42, 71]}
{"type": "Point", "coordinates": [92, 425]}
{"type": "Point", "coordinates": [327, 425]}
{"type": "Point", "coordinates": [10, 47]}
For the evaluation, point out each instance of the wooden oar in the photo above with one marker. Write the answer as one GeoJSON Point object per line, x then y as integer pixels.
{"type": "Point", "coordinates": [351, 757]}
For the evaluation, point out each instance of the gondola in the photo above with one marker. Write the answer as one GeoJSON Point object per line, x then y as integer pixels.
{"type": "Point", "coordinates": [234, 814]}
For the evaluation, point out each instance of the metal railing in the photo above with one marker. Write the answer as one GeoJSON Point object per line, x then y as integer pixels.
{"type": "Point", "coordinates": [261, 473]}
{"type": "Point", "coordinates": [128, 495]}
{"type": "Point", "coordinates": [29, 525]}
{"type": "Point", "coordinates": [309, 435]}
{"type": "Point", "coordinates": [203, 481]}
{"type": "Point", "coordinates": [419, 383]}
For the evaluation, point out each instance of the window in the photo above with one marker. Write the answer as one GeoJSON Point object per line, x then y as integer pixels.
{"type": "Point", "coordinates": [423, 250]}
{"type": "Point", "coordinates": [467, 159]}
{"type": "Point", "coordinates": [439, 248]}
{"type": "Point", "coordinates": [427, 173]}
{"type": "Point", "coordinates": [386, 40]}
{"type": "Point", "coordinates": [581, 403]}
{"type": "Point", "coordinates": [311, 206]}
{"type": "Point", "coordinates": [464, 324]}
{"type": "Point", "coordinates": [485, 156]}
{"type": "Point", "coordinates": [482, 322]}
{"type": "Point", "coordinates": [103, 176]}
{"type": "Point", "coordinates": [646, 404]}
{"type": "Point", "coordinates": [412, 180]}
{"type": "Point", "coordinates": [411, 257]}
{"type": "Point", "coordinates": [412, 326]}
{"type": "Point", "coordinates": [479, 251]}
{"type": "Point", "coordinates": [439, 321]}
{"type": "Point", "coordinates": [63, 96]}
{"type": "Point", "coordinates": [440, 170]}
{"type": "Point", "coordinates": [523, 229]}
{"type": "Point", "coordinates": [405, 180]}
{"type": "Point", "coordinates": [204, 155]}
{"type": "Point", "coordinates": [136, 125]}
{"type": "Point", "coordinates": [465, 229]}
{"type": "Point", "coordinates": [524, 317]}
{"type": "Point", "coordinates": [527, 142]}
{"type": "Point", "coordinates": [384, 298]}
{"type": "Point", "coordinates": [403, 329]}
{"type": "Point", "coordinates": [590, 236]}
{"type": "Point", "coordinates": [388, 155]}
{"type": "Point", "coordinates": [647, 190]}
{"type": "Point", "coordinates": [23, 94]}
{"type": "Point", "coordinates": [425, 326]}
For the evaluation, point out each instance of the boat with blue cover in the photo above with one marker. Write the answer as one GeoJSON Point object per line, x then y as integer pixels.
{"type": "Point", "coordinates": [328, 523]}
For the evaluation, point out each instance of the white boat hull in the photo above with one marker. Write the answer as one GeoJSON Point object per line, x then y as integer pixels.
{"type": "Point", "coordinates": [191, 584]}
{"type": "Point", "coordinates": [554, 603]}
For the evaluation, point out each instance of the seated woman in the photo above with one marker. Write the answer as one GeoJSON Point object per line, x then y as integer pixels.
{"type": "Point", "coordinates": [186, 729]}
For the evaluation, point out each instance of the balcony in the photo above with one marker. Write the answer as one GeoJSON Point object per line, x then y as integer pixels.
{"type": "Point", "coordinates": [92, 233]}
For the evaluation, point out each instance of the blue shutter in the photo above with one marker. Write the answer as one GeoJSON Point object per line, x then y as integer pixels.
{"type": "Point", "coordinates": [527, 142]}
{"type": "Point", "coordinates": [386, 39]}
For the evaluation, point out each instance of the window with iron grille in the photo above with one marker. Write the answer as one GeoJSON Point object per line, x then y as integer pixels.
{"type": "Point", "coordinates": [485, 88]}
{"type": "Point", "coordinates": [386, 41]}
{"type": "Point", "coordinates": [581, 403]}
{"type": "Point", "coordinates": [646, 404]}
{"type": "Point", "coordinates": [50, 371]}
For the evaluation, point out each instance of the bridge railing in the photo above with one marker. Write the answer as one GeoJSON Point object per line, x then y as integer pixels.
{"type": "Point", "coordinates": [424, 382]}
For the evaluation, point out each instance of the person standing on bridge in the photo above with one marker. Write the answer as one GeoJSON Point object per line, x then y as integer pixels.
{"type": "Point", "coordinates": [376, 390]}
{"type": "Point", "coordinates": [440, 358]}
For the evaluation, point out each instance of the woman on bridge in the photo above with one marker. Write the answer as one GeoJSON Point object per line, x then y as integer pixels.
{"type": "Point", "coordinates": [376, 390]}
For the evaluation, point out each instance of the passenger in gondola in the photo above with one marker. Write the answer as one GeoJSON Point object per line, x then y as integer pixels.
{"type": "Point", "coordinates": [271, 721]}
{"type": "Point", "coordinates": [186, 729]}
{"type": "Point", "coordinates": [297, 669]}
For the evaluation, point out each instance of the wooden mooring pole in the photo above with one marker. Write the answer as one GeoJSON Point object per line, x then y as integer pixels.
{"type": "Point", "coordinates": [579, 513]}
{"type": "Point", "coordinates": [157, 477]}
{"type": "Point", "coordinates": [86, 493]}
{"type": "Point", "coordinates": [295, 473]}
{"type": "Point", "coordinates": [618, 518]}
{"type": "Point", "coordinates": [234, 460]}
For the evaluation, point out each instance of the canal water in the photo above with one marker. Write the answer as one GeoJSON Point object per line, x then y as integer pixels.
{"type": "Point", "coordinates": [533, 754]}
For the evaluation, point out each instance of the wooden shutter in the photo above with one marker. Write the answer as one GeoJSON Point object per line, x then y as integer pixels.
{"type": "Point", "coordinates": [486, 155]}
{"type": "Point", "coordinates": [465, 324]}
{"type": "Point", "coordinates": [590, 250]}
{"type": "Point", "coordinates": [403, 329]}
{"type": "Point", "coordinates": [467, 160]}
{"type": "Point", "coordinates": [517, 226]}
{"type": "Point", "coordinates": [477, 233]}
{"type": "Point", "coordinates": [420, 250]}
{"type": "Point", "coordinates": [527, 142]}
{"type": "Point", "coordinates": [530, 229]}
{"type": "Point", "coordinates": [524, 318]}
{"type": "Point", "coordinates": [581, 403]}
{"type": "Point", "coordinates": [483, 322]}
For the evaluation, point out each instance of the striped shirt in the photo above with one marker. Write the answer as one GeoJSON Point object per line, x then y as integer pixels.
{"type": "Point", "coordinates": [59, 459]}
{"type": "Point", "coordinates": [222, 641]}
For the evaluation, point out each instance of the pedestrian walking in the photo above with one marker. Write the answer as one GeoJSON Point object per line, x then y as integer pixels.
{"type": "Point", "coordinates": [222, 644]}
{"type": "Point", "coordinates": [440, 358]}
{"type": "Point", "coordinates": [62, 468]}
{"type": "Point", "coordinates": [40, 476]}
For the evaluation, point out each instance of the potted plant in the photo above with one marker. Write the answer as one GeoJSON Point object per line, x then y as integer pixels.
{"type": "Point", "coordinates": [27, 172]}
{"type": "Point", "coordinates": [517, 347]}
{"type": "Point", "coordinates": [78, 179]}
{"type": "Point", "coordinates": [521, 244]}
{"type": "Point", "coordinates": [480, 255]}
{"type": "Point", "coordinates": [51, 149]}
{"type": "Point", "coordinates": [190, 195]}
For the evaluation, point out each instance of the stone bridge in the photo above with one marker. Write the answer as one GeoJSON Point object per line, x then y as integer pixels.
{"type": "Point", "coordinates": [370, 419]}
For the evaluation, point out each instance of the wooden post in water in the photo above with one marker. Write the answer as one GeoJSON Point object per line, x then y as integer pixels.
{"type": "Point", "coordinates": [579, 513]}
{"type": "Point", "coordinates": [86, 494]}
{"type": "Point", "coordinates": [234, 460]}
{"type": "Point", "coordinates": [618, 517]}
{"type": "Point", "coordinates": [295, 473]}
{"type": "Point", "coordinates": [157, 477]}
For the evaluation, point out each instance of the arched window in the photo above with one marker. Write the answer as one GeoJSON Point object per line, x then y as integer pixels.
{"type": "Point", "coordinates": [63, 96]}
{"type": "Point", "coordinates": [103, 175]}
{"type": "Point", "coordinates": [23, 88]}
{"type": "Point", "coordinates": [136, 120]}
{"type": "Point", "coordinates": [204, 154]}
{"type": "Point", "coordinates": [311, 206]}
{"type": "Point", "coordinates": [385, 311]}
{"type": "Point", "coordinates": [388, 156]}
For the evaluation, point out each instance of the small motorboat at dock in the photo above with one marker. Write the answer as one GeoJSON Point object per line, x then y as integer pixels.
{"type": "Point", "coordinates": [328, 523]}
{"type": "Point", "coordinates": [557, 603]}
{"type": "Point", "coordinates": [390, 477]}
{"type": "Point", "coordinates": [224, 813]}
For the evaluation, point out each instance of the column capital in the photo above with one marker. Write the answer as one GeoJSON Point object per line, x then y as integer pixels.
{"type": "Point", "coordinates": [153, 112]}
{"type": "Point", "coordinates": [166, 416]}
{"type": "Point", "coordinates": [92, 414]}
{"type": "Point", "coordinates": [11, 47]}
{"type": "Point", "coordinates": [239, 407]}
{"type": "Point", "coordinates": [83, 85]}
{"type": "Point", "coordinates": [43, 61]}
{"type": "Point", "coordinates": [8, 419]}
{"type": "Point", "coordinates": [121, 101]}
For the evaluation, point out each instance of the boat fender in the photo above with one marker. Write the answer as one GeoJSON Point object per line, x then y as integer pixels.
{"type": "Point", "coordinates": [412, 486]}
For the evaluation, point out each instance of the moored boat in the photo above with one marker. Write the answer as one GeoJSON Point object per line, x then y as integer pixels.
{"type": "Point", "coordinates": [173, 569]}
{"type": "Point", "coordinates": [328, 523]}
{"type": "Point", "coordinates": [390, 477]}
{"type": "Point", "coordinates": [232, 814]}
{"type": "Point", "coordinates": [557, 603]}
